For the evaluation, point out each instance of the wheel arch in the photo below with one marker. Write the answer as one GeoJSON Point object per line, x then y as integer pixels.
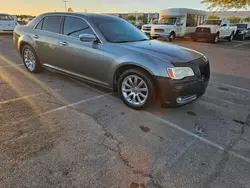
{"type": "Point", "coordinates": [118, 72]}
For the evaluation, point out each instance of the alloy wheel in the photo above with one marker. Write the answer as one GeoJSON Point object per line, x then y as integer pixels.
{"type": "Point", "coordinates": [135, 90]}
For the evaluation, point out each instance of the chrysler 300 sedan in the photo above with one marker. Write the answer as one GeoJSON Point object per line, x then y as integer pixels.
{"type": "Point", "coordinates": [109, 51]}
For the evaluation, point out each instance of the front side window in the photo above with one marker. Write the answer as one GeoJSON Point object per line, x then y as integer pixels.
{"type": "Point", "coordinates": [5, 17]}
{"type": "Point", "coordinates": [117, 30]}
{"type": "Point", "coordinates": [52, 24]}
{"type": "Point", "coordinates": [76, 26]}
{"type": "Point", "coordinates": [167, 21]}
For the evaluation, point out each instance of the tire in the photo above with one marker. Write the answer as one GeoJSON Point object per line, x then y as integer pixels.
{"type": "Point", "coordinates": [30, 59]}
{"type": "Point", "coordinates": [230, 38]}
{"type": "Point", "coordinates": [132, 96]}
{"type": "Point", "coordinates": [243, 37]}
{"type": "Point", "coordinates": [216, 38]}
{"type": "Point", "coordinates": [171, 37]}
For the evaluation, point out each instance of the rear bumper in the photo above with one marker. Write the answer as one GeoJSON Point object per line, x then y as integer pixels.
{"type": "Point", "coordinates": [177, 93]}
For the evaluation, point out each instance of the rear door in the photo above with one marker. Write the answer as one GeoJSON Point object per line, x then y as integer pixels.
{"type": "Point", "coordinates": [7, 23]}
{"type": "Point", "coordinates": [47, 35]}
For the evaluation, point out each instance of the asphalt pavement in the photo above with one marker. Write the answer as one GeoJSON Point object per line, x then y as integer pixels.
{"type": "Point", "coordinates": [56, 131]}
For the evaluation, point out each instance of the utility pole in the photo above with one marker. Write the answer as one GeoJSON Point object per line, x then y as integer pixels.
{"type": "Point", "coordinates": [65, 4]}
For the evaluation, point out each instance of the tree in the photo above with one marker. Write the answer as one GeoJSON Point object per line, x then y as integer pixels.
{"type": "Point", "coordinates": [211, 16]}
{"type": "Point", "coordinates": [226, 4]}
{"type": "Point", "coordinates": [234, 19]}
{"type": "Point", "coordinates": [142, 19]}
{"type": "Point", "coordinates": [131, 18]}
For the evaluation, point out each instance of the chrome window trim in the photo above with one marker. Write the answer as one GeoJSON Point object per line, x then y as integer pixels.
{"type": "Point", "coordinates": [64, 15]}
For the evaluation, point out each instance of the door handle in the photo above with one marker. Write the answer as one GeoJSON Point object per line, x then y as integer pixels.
{"type": "Point", "coordinates": [35, 36]}
{"type": "Point", "coordinates": [63, 43]}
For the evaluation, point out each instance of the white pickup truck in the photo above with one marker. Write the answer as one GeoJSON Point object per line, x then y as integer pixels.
{"type": "Point", "coordinates": [214, 30]}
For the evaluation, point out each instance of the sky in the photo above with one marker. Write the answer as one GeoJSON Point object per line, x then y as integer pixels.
{"type": "Point", "coordinates": [36, 7]}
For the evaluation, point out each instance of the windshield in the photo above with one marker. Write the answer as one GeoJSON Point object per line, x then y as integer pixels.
{"type": "Point", "coordinates": [242, 26]}
{"type": "Point", "coordinates": [5, 17]}
{"type": "Point", "coordinates": [117, 30]}
{"type": "Point", "coordinates": [211, 22]}
{"type": "Point", "coordinates": [167, 21]}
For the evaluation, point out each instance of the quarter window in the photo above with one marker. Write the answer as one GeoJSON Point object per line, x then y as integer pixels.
{"type": "Point", "coordinates": [76, 26]}
{"type": "Point", "coordinates": [52, 24]}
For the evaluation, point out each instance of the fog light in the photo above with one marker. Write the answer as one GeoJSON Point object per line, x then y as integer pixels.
{"type": "Point", "coordinates": [185, 99]}
{"type": "Point", "coordinates": [179, 100]}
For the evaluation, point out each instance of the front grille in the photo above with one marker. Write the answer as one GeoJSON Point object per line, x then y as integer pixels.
{"type": "Point", "coordinates": [205, 72]}
{"type": "Point", "coordinates": [146, 28]}
{"type": "Point", "coordinates": [159, 30]}
{"type": "Point", "coordinates": [202, 30]}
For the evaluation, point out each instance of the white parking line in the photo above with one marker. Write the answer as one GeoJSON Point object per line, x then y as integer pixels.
{"type": "Point", "coordinates": [17, 65]}
{"type": "Point", "coordinates": [234, 87]}
{"type": "Point", "coordinates": [73, 104]}
{"type": "Point", "coordinates": [25, 97]}
{"type": "Point", "coordinates": [224, 101]}
{"type": "Point", "coordinates": [237, 45]}
{"type": "Point", "coordinates": [211, 143]}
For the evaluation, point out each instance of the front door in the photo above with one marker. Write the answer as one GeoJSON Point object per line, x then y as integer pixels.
{"type": "Point", "coordinates": [82, 58]}
{"type": "Point", "coordinates": [180, 27]}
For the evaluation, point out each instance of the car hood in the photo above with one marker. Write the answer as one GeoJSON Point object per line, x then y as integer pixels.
{"type": "Point", "coordinates": [165, 51]}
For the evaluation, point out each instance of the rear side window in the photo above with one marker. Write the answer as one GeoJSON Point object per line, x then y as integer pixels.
{"type": "Point", "coordinates": [5, 17]}
{"type": "Point", "coordinates": [76, 26]}
{"type": "Point", "coordinates": [52, 24]}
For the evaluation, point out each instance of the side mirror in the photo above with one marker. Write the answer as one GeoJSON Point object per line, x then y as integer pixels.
{"type": "Point", "coordinates": [224, 25]}
{"type": "Point", "coordinates": [87, 38]}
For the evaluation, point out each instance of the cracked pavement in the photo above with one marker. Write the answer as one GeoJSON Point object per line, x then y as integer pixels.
{"type": "Point", "coordinates": [59, 132]}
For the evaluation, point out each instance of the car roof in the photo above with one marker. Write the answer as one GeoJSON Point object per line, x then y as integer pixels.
{"type": "Point", "coordinates": [82, 14]}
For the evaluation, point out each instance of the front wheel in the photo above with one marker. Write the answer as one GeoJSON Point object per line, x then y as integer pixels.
{"type": "Point", "coordinates": [216, 38]}
{"type": "Point", "coordinates": [171, 36]}
{"type": "Point", "coordinates": [231, 37]}
{"type": "Point", "coordinates": [136, 89]}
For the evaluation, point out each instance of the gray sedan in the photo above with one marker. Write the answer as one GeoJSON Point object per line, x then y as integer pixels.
{"type": "Point", "coordinates": [109, 51]}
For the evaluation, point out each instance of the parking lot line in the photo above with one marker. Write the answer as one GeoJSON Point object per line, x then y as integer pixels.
{"type": "Point", "coordinates": [6, 66]}
{"type": "Point", "coordinates": [25, 97]}
{"type": "Point", "coordinates": [211, 143]}
{"type": "Point", "coordinates": [237, 45]}
{"type": "Point", "coordinates": [224, 101]}
{"type": "Point", "coordinates": [234, 87]}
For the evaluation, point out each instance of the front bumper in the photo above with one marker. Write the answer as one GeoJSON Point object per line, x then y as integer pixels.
{"type": "Point", "coordinates": [160, 35]}
{"type": "Point", "coordinates": [173, 93]}
{"type": "Point", "coordinates": [205, 36]}
{"type": "Point", "coordinates": [178, 93]}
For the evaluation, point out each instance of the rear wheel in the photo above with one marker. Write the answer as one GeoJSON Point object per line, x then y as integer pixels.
{"type": "Point", "coordinates": [31, 60]}
{"type": "Point", "coordinates": [136, 89]}
{"type": "Point", "coordinates": [171, 36]}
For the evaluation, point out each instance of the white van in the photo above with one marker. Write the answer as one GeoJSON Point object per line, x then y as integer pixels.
{"type": "Point", "coordinates": [177, 22]}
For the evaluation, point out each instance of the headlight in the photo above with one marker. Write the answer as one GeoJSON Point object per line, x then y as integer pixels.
{"type": "Point", "coordinates": [178, 73]}
{"type": "Point", "coordinates": [167, 29]}
{"type": "Point", "coordinates": [214, 30]}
